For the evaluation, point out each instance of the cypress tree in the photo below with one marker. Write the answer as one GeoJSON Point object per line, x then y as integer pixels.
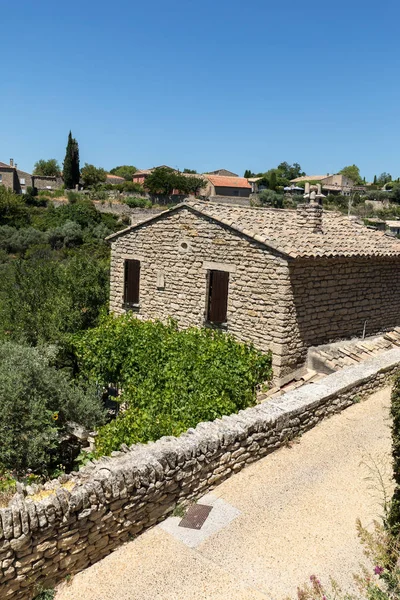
{"type": "Point", "coordinates": [272, 181]}
{"type": "Point", "coordinates": [374, 179]}
{"type": "Point", "coordinates": [71, 163]}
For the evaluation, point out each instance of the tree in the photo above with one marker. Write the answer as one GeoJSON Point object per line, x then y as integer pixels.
{"type": "Point", "coordinates": [353, 173]}
{"type": "Point", "coordinates": [47, 168]}
{"type": "Point", "coordinates": [192, 171]}
{"type": "Point", "coordinates": [248, 174]}
{"type": "Point", "coordinates": [92, 175]}
{"type": "Point", "coordinates": [384, 178]}
{"type": "Point", "coordinates": [375, 180]}
{"type": "Point", "coordinates": [13, 210]}
{"type": "Point", "coordinates": [71, 163]}
{"type": "Point", "coordinates": [290, 172]}
{"type": "Point", "coordinates": [161, 181]}
{"type": "Point", "coordinates": [164, 180]}
{"type": "Point", "coordinates": [36, 403]}
{"type": "Point", "coordinates": [125, 171]}
{"type": "Point", "coordinates": [272, 181]}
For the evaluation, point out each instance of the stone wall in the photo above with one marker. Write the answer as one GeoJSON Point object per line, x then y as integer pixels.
{"type": "Point", "coordinates": [41, 182]}
{"type": "Point", "coordinates": [332, 299]}
{"type": "Point", "coordinates": [281, 305]}
{"type": "Point", "coordinates": [87, 515]}
{"type": "Point", "coordinates": [182, 247]}
{"type": "Point", "coordinates": [8, 178]}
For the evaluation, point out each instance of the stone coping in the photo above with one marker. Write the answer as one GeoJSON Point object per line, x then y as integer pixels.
{"type": "Point", "coordinates": [84, 516]}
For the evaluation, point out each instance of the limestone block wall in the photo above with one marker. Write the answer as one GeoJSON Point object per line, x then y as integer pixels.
{"type": "Point", "coordinates": [87, 515]}
{"type": "Point", "coordinates": [333, 299]}
{"type": "Point", "coordinates": [182, 248]}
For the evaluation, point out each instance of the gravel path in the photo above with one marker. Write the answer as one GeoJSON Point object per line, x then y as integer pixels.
{"type": "Point", "coordinates": [298, 509]}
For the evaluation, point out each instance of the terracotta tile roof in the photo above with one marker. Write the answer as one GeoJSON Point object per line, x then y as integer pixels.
{"type": "Point", "coordinates": [224, 181]}
{"type": "Point", "coordinates": [280, 230]}
{"type": "Point", "coordinates": [111, 176]}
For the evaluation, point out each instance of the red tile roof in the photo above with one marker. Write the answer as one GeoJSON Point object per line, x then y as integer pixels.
{"type": "Point", "coordinates": [111, 176]}
{"type": "Point", "coordinates": [223, 181]}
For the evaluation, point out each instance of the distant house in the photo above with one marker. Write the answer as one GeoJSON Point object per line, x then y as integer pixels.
{"type": "Point", "coordinates": [141, 175]}
{"type": "Point", "coordinates": [221, 185]}
{"type": "Point", "coordinates": [18, 181]}
{"type": "Point", "coordinates": [114, 179]}
{"type": "Point", "coordinates": [331, 184]}
{"type": "Point", "coordinates": [393, 226]}
{"type": "Point", "coordinates": [223, 172]}
{"type": "Point", "coordinates": [284, 280]}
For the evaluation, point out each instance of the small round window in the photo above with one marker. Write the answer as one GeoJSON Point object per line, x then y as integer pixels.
{"type": "Point", "coordinates": [183, 246]}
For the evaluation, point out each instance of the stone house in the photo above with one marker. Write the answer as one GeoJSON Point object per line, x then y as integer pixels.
{"type": "Point", "coordinates": [284, 280]}
{"type": "Point", "coordinates": [19, 181]}
{"type": "Point", "coordinates": [223, 185]}
{"type": "Point", "coordinates": [331, 184]}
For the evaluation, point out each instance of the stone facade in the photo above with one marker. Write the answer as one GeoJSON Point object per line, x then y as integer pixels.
{"type": "Point", "coordinates": [41, 182]}
{"type": "Point", "coordinates": [184, 247]}
{"type": "Point", "coordinates": [82, 517]}
{"type": "Point", "coordinates": [275, 302]}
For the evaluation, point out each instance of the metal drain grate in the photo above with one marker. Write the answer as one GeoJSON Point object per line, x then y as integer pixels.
{"type": "Point", "coordinates": [196, 516]}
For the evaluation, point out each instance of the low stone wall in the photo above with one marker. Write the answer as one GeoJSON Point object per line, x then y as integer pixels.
{"type": "Point", "coordinates": [89, 514]}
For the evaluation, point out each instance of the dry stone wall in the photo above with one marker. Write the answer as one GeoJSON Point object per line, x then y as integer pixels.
{"type": "Point", "coordinates": [333, 299]}
{"type": "Point", "coordinates": [87, 515]}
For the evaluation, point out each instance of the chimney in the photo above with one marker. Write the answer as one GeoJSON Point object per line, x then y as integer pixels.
{"type": "Point", "coordinates": [16, 166]}
{"type": "Point", "coordinates": [11, 162]}
{"type": "Point", "coordinates": [309, 214]}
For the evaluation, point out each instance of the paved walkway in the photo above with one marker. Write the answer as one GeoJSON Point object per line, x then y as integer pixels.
{"type": "Point", "coordinates": [295, 515]}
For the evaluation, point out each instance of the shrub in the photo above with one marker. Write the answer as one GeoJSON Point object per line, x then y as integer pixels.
{"type": "Point", "coordinates": [43, 299]}
{"type": "Point", "coordinates": [13, 210]}
{"type": "Point", "coordinates": [394, 515]}
{"type": "Point", "coordinates": [271, 198]}
{"type": "Point", "coordinates": [137, 202]}
{"type": "Point", "coordinates": [36, 402]}
{"type": "Point", "coordinates": [171, 379]}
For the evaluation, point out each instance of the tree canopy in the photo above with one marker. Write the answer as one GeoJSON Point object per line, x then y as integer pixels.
{"type": "Point", "coordinates": [164, 180]}
{"type": "Point", "coordinates": [71, 170]}
{"type": "Point", "coordinates": [92, 175]}
{"type": "Point", "coordinates": [47, 168]}
{"type": "Point", "coordinates": [353, 173]}
{"type": "Point", "coordinates": [125, 171]}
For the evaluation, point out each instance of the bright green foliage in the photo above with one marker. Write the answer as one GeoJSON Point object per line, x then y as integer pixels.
{"type": "Point", "coordinates": [133, 202]}
{"type": "Point", "coordinates": [47, 168]}
{"type": "Point", "coordinates": [171, 379]}
{"type": "Point", "coordinates": [125, 171]}
{"type": "Point", "coordinates": [353, 173]}
{"type": "Point", "coordinates": [71, 170]}
{"type": "Point", "coordinates": [92, 175]}
{"type": "Point", "coordinates": [165, 180]}
{"type": "Point", "coordinates": [36, 402]}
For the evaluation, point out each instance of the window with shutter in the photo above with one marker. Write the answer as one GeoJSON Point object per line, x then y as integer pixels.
{"type": "Point", "coordinates": [132, 280]}
{"type": "Point", "coordinates": [217, 297]}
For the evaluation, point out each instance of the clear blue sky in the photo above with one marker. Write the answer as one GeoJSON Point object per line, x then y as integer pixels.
{"type": "Point", "coordinates": [204, 85]}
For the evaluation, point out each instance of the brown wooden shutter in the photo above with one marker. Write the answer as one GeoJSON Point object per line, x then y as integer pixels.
{"type": "Point", "coordinates": [218, 296]}
{"type": "Point", "coordinates": [132, 278]}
